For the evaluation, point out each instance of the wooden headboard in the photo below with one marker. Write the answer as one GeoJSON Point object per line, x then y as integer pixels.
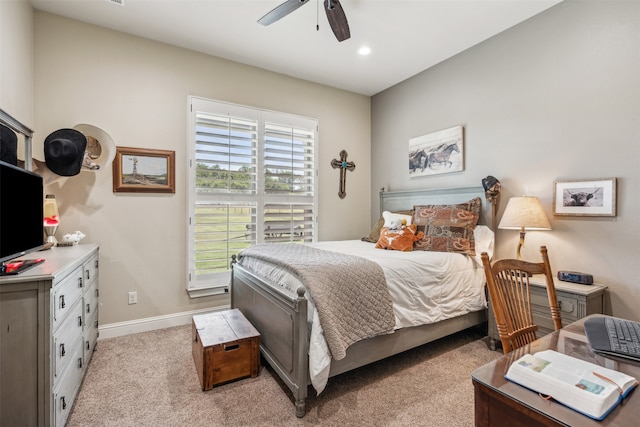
{"type": "Point", "coordinates": [405, 200]}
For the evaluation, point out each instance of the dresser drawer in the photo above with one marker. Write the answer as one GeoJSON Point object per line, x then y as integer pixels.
{"type": "Point", "coordinates": [67, 338]}
{"type": "Point", "coordinates": [91, 271]}
{"type": "Point", "coordinates": [90, 337]}
{"type": "Point", "coordinates": [66, 293]}
{"type": "Point", "coordinates": [90, 301]}
{"type": "Point", "coordinates": [67, 387]}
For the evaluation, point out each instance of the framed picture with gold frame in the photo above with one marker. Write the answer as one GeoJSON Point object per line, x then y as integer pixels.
{"type": "Point", "coordinates": [143, 170]}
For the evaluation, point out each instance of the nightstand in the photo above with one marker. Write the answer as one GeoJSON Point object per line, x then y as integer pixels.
{"type": "Point", "coordinates": [576, 301]}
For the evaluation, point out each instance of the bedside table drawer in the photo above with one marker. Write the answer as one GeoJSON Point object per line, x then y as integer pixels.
{"type": "Point", "coordinates": [568, 306]}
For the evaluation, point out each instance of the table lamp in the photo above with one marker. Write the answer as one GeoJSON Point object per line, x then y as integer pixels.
{"type": "Point", "coordinates": [524, 213]}
{"type": "Point", "coordinates": [51, 218]}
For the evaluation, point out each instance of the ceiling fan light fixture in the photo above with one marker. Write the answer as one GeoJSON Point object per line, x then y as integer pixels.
{"type": "Point", "coordinates": [333, 9]}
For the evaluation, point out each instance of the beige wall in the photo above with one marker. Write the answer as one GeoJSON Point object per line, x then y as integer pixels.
{"type": "Point", "coordinates": [136, 90]}
{"type": "Point", "coordinates": [16, 60]}
{"type": "Point", "coordinates": [556, 97]}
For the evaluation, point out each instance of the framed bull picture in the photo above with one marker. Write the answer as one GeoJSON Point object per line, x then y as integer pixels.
{"type": "Point", "coordinates": [436, 153]}
{"type": "Point", "coordinates": [585, 197]}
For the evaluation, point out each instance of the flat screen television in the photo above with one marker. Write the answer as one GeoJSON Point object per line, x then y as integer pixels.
{"type": "Point", "coordinates": [21, 221]}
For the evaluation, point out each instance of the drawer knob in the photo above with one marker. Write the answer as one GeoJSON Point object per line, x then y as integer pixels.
{"type": "Point", "coordinates": [79, 282]}
{"type": "Point", "coordinates": [80, 362]}
{"type": "Point", "coordinates": [88, 308]}
{"type": "Point", "coordinates": [80, 321]}
{"type": "Point", "coordinates": [566, 307]}
{"type": "Point", "coordinates": [62, 350]}
{"type": "Point", "coordinates": [64, 402]}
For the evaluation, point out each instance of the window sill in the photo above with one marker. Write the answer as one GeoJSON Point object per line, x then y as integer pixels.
{"type": "Point", "coordinates": [207, 292]}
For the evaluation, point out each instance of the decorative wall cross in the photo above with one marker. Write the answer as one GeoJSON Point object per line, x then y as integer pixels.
{"type": "Point", "coordinates": [344, 165]}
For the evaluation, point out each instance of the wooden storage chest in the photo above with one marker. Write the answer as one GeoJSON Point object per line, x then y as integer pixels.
{"type": "Point", "coordinates": [225, 347]}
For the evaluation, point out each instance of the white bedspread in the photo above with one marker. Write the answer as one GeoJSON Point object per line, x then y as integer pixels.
{"type": "Point", "coordinates": [425, 287]}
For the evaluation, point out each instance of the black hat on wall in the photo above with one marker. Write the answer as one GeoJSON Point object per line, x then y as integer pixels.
{"type": "Point", "coordinates": [64, 151]}
{"type": "Point", "coordinates": [8, 145]}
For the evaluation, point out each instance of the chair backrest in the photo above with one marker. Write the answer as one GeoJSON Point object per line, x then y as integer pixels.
{"type": "Point", "coordinates": [510, 293]}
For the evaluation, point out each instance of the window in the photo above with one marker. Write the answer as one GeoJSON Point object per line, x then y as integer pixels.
{"type": "Point", "coordinates": [252, 179]}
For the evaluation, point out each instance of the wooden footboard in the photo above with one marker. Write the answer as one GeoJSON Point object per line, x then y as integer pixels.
{"type": "Point", "coordinates": [281, 318]}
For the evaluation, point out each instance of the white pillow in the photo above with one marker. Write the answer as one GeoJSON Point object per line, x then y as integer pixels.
{"type": "Point", "coordinates": [484, 241]}
{"type": "Point", "coordinates": [389, 216]}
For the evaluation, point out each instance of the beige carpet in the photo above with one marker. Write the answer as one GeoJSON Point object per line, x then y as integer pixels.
{"type": "Point", "coordinates": [149, 379]}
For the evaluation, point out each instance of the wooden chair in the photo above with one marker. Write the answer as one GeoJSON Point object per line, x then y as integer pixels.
{"type": "Point", "coordinates": [508, 283]}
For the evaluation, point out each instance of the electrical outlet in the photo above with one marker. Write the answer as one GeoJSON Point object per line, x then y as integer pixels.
{"type": "Point", "coordinates": [133, 297]}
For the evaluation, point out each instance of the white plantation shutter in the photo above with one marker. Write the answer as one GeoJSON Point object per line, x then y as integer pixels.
{"type": "Point", "coordinates": [252, 179]}
{"type": "Point", "coordinates": [227, 147]}
{"type": "Point", "coordinates": [288, 159]}
{"type": "Point", "coordinates": [288, 222]}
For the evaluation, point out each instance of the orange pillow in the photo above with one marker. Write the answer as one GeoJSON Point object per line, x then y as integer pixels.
{"type": "Point", "coordinates": [399, 240]}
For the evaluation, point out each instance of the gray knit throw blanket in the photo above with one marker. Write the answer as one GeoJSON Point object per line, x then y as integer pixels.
{"type": "Point", "coordinates": [350, 292]}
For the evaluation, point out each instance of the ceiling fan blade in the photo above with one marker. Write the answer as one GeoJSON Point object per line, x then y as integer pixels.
{"type": "Point", "coordinates": [281, 11]}
{"type": "Point", "coordinates": [337, 19]}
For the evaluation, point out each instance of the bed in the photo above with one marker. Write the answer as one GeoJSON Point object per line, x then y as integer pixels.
{"type": "Point", "coordinates": [292, 342]}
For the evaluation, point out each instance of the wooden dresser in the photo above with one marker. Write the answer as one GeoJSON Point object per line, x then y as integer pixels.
{"type": "Point", "coordinates": [576, 301]}
{"type": "Point", "coordinates": [48, 331]}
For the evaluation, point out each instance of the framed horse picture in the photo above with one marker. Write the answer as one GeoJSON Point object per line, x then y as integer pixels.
{"type": "Point", "coordinates": [437, 152]}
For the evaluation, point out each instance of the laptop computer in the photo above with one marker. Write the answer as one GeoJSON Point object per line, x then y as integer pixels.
{"type": "Point", "coordinates": [612, 336]}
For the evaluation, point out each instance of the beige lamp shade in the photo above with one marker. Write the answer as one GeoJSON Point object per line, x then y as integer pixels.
{"type": "Point", "coordinates": [524, 212]}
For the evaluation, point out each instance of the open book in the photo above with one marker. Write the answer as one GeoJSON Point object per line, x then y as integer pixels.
{"type": "Point", "coordinates": [585, 387]}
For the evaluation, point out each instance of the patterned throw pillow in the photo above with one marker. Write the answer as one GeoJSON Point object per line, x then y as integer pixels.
{"type": "Point", "coordinates": [448, 228]}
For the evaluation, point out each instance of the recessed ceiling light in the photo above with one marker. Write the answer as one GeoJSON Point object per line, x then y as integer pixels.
{"type": "Point", "coordinates": [364, 50]}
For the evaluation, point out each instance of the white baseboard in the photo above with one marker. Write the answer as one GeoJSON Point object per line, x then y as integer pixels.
{"type": "Point", "coordinates": [113, 330]}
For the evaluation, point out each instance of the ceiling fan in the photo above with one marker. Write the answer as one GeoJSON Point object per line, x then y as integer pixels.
{"type": "Point", "coordinates": [333, 8]}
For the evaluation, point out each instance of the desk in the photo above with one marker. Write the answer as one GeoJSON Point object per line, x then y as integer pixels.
{"type": "Point", "coordinates": [499, 402]}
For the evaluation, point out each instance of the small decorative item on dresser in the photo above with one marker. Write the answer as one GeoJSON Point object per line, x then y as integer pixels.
{"type": "Point", "coordinates": [51, 218]}
{"type": "Point", "coordinates": [72, 238]}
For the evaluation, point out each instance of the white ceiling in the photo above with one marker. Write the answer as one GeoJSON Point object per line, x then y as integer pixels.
{"type": "Point", "coordinates": [405, 36]}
